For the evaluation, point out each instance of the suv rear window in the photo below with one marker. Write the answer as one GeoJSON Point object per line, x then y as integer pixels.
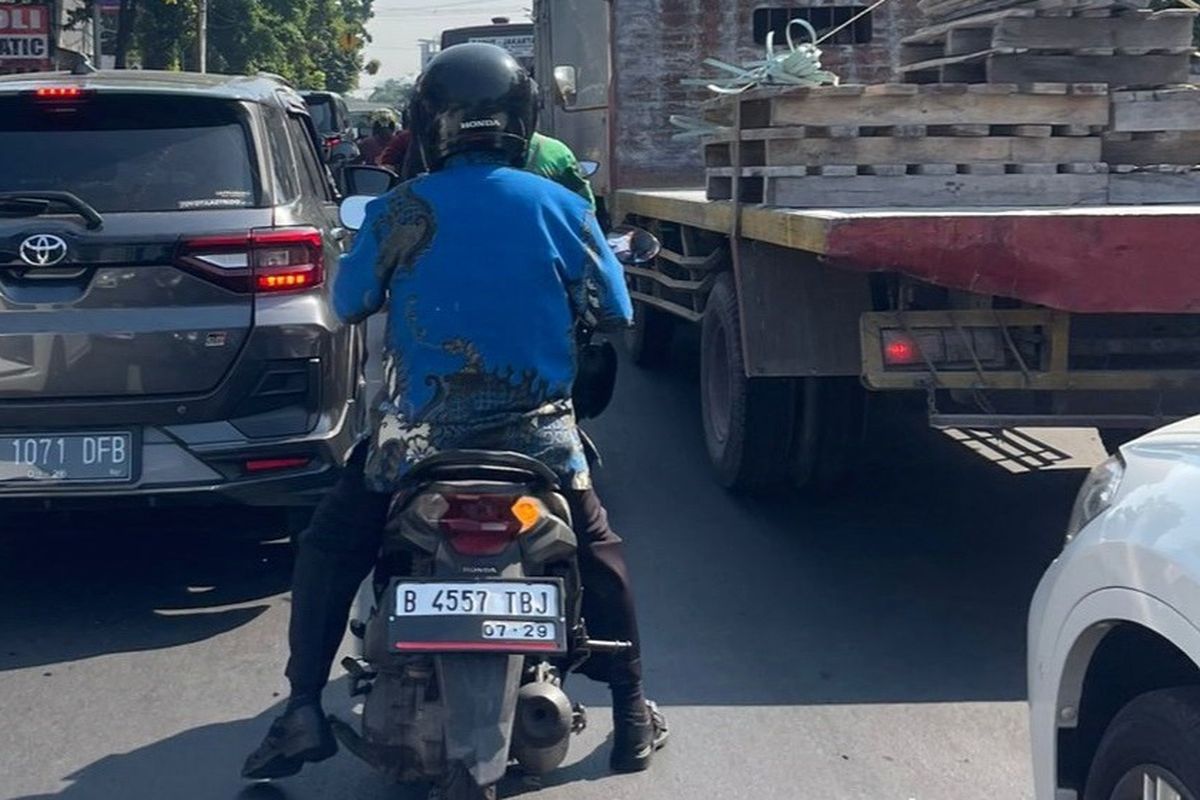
{"type": "Point", "coordinates": [131, 152]}
{"type": "Point", "coordinates": [321, 110]}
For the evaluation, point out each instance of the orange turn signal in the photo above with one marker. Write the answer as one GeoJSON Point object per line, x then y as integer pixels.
{"type": "Point", "coordinates": [528, 512]}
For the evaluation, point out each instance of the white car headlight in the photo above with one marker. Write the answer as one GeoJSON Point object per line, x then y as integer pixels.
{"type": "Point", "coordinates": [1097, 495]}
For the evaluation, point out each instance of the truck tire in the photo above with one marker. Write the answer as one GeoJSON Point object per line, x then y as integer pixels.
{"type": "Point", "coordinates": [649, 340]}
{"type": "Point", "coordinates": [1152, 740]}
{"type": "Point", "coordinates": [830, 415]}
{"type": "Point", "coordinates": [747, 421]}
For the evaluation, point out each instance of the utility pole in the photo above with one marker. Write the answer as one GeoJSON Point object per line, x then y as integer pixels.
{"type": "Point", "coordinates": [97, 38]}
{"type": "Point", "coordinates": [202, 37]}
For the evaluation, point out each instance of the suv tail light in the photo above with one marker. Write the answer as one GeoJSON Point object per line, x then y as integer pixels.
{"type": "Point", "coordinates": [266, 260]}
{"type": "Point", "coordinates": [485, 524]}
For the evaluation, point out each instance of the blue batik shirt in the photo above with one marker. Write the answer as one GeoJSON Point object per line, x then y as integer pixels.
{"type": "Point", "coordinates": [486, 271]}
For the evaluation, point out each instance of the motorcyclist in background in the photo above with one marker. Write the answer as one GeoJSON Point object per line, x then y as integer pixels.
{"type": "Point", "coordinates": [370, 148]}
{"type": "Point", "coordinates": [552, 159]}
{"type": "Point", "coordinates": [489, 270]}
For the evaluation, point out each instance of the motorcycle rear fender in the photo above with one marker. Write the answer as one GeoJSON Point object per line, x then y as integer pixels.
{"type": "Point", "coordinates": [479, 700]}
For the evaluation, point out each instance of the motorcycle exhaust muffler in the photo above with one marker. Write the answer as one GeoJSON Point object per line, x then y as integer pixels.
{"type": "Point", "coordinates": [542, 728]}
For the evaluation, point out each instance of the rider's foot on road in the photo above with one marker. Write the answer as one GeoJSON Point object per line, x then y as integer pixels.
{"type": "Point", "coordinates": [300, 736]}
{"type": "Point", "coordinates": [635, 741]}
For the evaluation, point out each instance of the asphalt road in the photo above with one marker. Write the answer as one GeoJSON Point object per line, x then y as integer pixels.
{"type": "Point", "coordinates": [870, 646]}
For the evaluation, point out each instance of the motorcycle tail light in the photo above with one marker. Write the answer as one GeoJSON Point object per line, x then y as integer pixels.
{"type": "Point", "coordinates": [479, 524]}
{"type": "Point", "coordinates": [483, 524]}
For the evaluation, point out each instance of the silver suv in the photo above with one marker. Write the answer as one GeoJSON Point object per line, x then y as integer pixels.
{"type": "Point", "coordinates": [166, 249]}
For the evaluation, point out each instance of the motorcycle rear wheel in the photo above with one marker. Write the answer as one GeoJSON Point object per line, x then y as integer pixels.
{"type": "Point", "coordinates": [459, 784]}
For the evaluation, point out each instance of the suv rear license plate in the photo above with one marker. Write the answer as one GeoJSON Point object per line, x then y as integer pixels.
{"type": "Point", "coordinates": [499, 616]}
{"type": "Point", "coordinates": [66, 458]}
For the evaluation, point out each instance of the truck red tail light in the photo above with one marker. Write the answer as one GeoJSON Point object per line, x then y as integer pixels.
{"type": "Point", "coordinates": [267, 260]}
{"type": "Point", "coordinates": [944, 348]}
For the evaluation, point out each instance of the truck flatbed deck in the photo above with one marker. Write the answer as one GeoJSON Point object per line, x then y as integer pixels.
{"type": "Point", "coordinates": [1081, 259]}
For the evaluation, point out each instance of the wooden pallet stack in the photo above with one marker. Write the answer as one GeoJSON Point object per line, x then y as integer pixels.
{"type": "Point", "coordinates": [1118, 42]}
{"type": "Point", "coordinates": [1006, 103]}
{"type": "Point", "coordinates": [1153, 146]}
{"type": "Point", "coordinates": [911, 146]}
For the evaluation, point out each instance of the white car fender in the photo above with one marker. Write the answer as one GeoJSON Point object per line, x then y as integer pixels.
{"type": "Point", "coordinates": [1054, 702]}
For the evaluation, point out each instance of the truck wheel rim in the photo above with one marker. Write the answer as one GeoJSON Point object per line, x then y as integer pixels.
{"type": "Point", "coordinates": [1150, 782]}
{"type": "Point", "coordinates": [717, 387]}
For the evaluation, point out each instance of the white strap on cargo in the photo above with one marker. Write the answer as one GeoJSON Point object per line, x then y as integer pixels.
{"type": "Point", "coordinates": [798, 65]}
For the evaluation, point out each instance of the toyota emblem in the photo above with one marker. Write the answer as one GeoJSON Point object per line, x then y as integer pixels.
{"type": "Point", "coordinates": [43, 250]}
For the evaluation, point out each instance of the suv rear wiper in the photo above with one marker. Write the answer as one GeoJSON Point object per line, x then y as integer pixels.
{"type": "Point", "coordinates": [28, 202]}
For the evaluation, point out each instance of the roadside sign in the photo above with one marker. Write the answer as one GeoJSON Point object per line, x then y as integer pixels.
{"type": "Point", "coordinates": [24, 37]}
{"type": "Point", "coordinates": [521, 46]}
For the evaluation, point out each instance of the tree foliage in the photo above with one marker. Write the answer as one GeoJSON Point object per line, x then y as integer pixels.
{"type": "Point", "coordinates": [315, 44]}
{"type": "Point", "coordinates": [394, 91]}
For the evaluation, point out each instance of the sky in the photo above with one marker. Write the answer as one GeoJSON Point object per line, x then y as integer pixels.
{"type": "Point", "coordinates": [399, 25]}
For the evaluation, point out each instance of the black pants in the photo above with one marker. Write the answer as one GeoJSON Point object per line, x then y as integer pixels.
{"type": "Point", "coordinates": [338, 550]}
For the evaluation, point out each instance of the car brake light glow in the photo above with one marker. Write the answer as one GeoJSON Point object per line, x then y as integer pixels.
{"type": "Point", "coordinates": [267, 260]}
{"type": "Point", "coordinates": [285, 280]}
{"type": "Point", "coordinates": [58, 93]}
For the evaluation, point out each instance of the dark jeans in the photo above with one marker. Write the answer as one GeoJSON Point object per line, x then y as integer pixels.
{"type": "Point", "coordinates": [338, 550]}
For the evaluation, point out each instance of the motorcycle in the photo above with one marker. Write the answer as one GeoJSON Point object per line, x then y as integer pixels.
{"type": "Point", "coordinates": [473, 614]}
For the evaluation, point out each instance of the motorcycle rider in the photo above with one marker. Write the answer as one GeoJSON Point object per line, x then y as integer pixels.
{"type": "Point", "coordinates": [488, 270]}
{"type": "Point", "coordinates": [548, 157]}
{"type": "Point", "coordinates": [553, 159]}
{"type": "Point", "coordinates": [370, 148]}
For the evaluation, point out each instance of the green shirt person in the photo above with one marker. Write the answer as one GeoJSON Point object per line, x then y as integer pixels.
{"type": "Point", "coordinates": [548, 157]}
{"type": "Point", "coordinates": [552, 159]}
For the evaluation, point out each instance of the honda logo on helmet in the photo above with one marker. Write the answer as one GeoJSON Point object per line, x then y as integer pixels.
{"type": "Point", "coordinates": [471, 124]}
{"type": "Point", "coordinates": [43, 250]}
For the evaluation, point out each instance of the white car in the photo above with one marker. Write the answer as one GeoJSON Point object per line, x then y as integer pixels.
{"type": "Point", "coordinates": [1114, 632]}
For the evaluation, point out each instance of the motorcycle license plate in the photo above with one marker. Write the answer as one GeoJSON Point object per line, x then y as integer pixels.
{"type": "Point", "coordinates": [494, 615]}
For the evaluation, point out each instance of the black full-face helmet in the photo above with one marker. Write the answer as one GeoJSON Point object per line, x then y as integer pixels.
{"type": "Point", "coordinates": [474, 97]}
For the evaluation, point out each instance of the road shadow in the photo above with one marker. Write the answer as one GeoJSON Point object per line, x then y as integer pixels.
{"type": "Point", "coordinates": [910, 585]}
{"type": "Point", "coordinates": [133, 580]}
{"type": "Point", "coordinates": [203, 763]}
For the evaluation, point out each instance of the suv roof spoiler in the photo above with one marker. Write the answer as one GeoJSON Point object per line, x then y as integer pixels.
{"type": "Point", "coordinates": [273, 76]}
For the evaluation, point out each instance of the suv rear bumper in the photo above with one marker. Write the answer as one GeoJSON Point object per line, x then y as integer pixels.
{"type": "Point", "coordinates": [172, 470]}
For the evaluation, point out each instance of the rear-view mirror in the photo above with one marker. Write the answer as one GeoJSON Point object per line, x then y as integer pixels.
{"type": "Point", "coordinates": [368, 180]}
{"type": "Point", "coordinates": [566, 80]}
{"type": "Point", "coordinates": [353, 212]}
{"type": "Point", "coordinates": [633, 245]}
